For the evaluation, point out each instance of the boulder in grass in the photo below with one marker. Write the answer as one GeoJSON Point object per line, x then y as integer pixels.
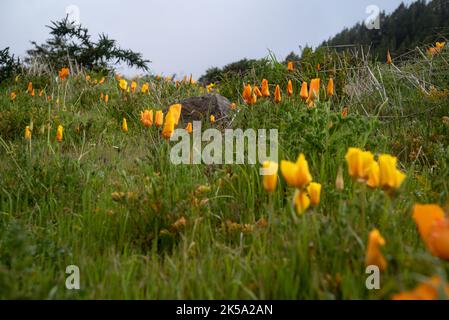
{"type": "Point", "coordinates": [201, 108]}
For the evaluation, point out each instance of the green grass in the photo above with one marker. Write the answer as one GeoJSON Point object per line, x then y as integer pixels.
{"type": "Point", "coordinates": [57, 208]}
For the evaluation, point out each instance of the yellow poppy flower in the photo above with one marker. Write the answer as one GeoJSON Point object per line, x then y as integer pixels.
{"type": "Point", "coordinates": [169, 126]}
{"type": "Point", "coordinates": [304, 94]}
{"type": "Point", "coordinates": [146, 117]}
{"type": "Point", "coordinates": [123, 84]}
{"type": "Point", "coordinates": [314, 190]}
{"type": "Point", "coordinates": [389, 176]}
{"type": "Point", "coordinates": [159, 118]}
{"type": "Point", "coordinates": [289, 88]}
{"type": "Point", "coordinates": [296, 174]}
{"type": "Point", "coordinates": [359, 163]}
{"type": "Point", "coordinates": [301, 201]}
{"type": "Point", "coordinates": [27, 133]}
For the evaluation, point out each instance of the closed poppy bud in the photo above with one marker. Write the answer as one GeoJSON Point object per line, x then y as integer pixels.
{"type": "Point", "coordinates": [330, 87]}
{"type": "Point", "coordinates": [27, 133]}
{"type": "Point", "coordinates": [159, 118]}
{"type": "Point", "coordinates": [169, 126]}
{"type": "Point", "coordinates": [257, 92]}
{"type": "Point", "coordinates": [314, 91]}
{"type": "Point", "coordinates": [189, 128]}
{"type": "Point", "coordinates": [265, 88]}
{"type": "Point", "coordinates": [30, 87]}
{"type": "Point", "coordinates": [301, 201]}
{"type": "Point", "coordinates": [106, 98]}
{"type": "Point", "coordinates": [32, 93]}
{"type": "Point", "coordinates": [374, 256]}
{"type": "Point", "coordinates": [314, 190]}
{"type": "Point", "coordinates": [41, 92]}
{"type": "Point", "coordinates": [59, 133]}
{"type": "Point", "coordinates": [296, 174]}
{"type": "Point", "coordinates": [340, 182]}
{"type": "Point", "coordinates": [389, 176]}
{"type": "Point", "coordinates": [304, 94]}
{"type": "Point", "coordinates": [290, 66]}
{"type": "Point", "coordinates": [123, 84]}
{"type": "Point", "coordinates": [133, 86]}
{"type": "Point", "coordinates": [212, 118]}
{"type": "Point", "coordinates": [124, 125]}
{"type": "Point", "coordinates": [277, 94]}
{"type": "Point", "coordinates": [175, 110]}
{"type": "Point", "coordinates": [270, 177]}
{"type": "Point", "coordinates": [389, 60]}
{"type": "Point", "coordinates": [289, 88]}
{"type": "Point", "coordinates": [146, 117]}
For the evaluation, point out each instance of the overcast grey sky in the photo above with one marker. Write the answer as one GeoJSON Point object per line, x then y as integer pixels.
{"type": "Point", "coordinates": [184, 37]}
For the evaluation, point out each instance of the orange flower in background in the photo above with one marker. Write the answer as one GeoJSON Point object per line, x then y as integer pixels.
{"type": "Point", "coordinates": [32, 93]}
{"type": "Point", "coordinates": [64, 73]}
{"type": "Point", "coordinates": [247, 94]}
{"type": "Point", "coordinates": [175, 110]}
{"type": "Point", "coordinates": [289, 88]}
{"type": "Point", "coordinates": [277, 94]}
{"type": "Point", "coordinates": [101, 96]}
{"type": "Point", "coordinates": [265, 88]}
{"type": "Point", "coordinates": [330, 87]}
{"type": "Point", "coordinates": [373, 254]}
{"type": "Point", "coordinates": [428, 290]}
{"type": "Point", "coordinates": [133, 86]}
{"type": "Point", "coordinates": [301, 201]}
{"type": "Point", "coordinates": [270, 179]}
{"type": "Point", "coordinates": [27, 133]}
{"type": "Point", "coordinates": [13, 96]}
{"type": "Point", "coordinates": [233, 106]}
{"type": "Point", "coordinates": [304, 94]}
{"type": "Point", "coordinates": [253, 100]}
{"type": "Point", "coordinates": [146, 118]}
{"type": "Point", "coordinates": [389, 60]}
{"type": "Point", "coordinates": [257, 92]}
{"type": "Point", "coordinates": [41, 92]}
{"type": "Point", "coordinates": [106, 98]}
{"type": "Point", "coordinates": [189, 127]}
{"type": "Point", "coordinates": [296, 174]}
{"type": "Point", "coordinates": [102, 80]}
{"type": "Point", "coordinates": [290, 66]}
{"type": "Point", "coordinates": [169, 126]}
{"type": "Point", "coordinates": [159, 118]}
{"type": "Point", "coordinates": [433, 228]}
{"type": "Point", "coordinates": [59, 133]}
{"type": "Point", "coordinates": [318, 67]}
{"type": "Point", "coordinates": [212, 118]}
{"type": "Point", "coordinates": [88, 78]}
{"type": "Point", "coordinates": [118, 77]}
{"type": "Point", "coordinates": [30, 87]}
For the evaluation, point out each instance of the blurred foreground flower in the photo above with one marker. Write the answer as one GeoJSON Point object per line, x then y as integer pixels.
{"type": "Point", "coordinates": [433, 227]}
{"type": "Point", "coordinates": [296, 174]}
{"type": "Point", "coordinates": [428, 290]}
{"type": "Point", "coordinates": [64, 73]}
{"type": "Point", "coordinates": [373, 254]}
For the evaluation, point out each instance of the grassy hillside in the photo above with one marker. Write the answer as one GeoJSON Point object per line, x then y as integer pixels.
{"type": "Point", "coordinates": [112, 203]}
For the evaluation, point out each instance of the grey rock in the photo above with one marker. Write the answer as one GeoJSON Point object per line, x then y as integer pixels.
{"type": "Point", "coordinates": [200, 108]}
